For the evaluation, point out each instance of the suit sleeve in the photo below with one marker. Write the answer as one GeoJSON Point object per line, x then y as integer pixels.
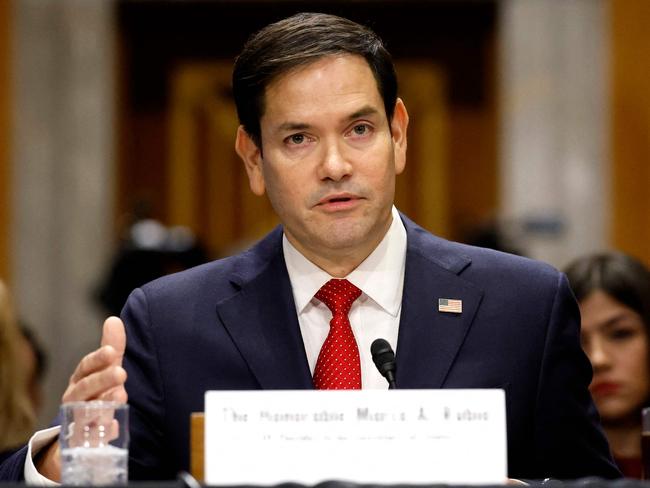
{"type": "Point", "coordinates": [13, 467]}
{"type": "Point", "coordinates": [569, 441]}
{"type": "Point", "coordinates": [148, 449]}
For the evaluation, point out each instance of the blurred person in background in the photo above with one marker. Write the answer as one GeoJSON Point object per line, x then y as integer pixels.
{"type": "Point", "coordinates": [149, 250]}
{"type": "Point", "coordinates": [34, 363]}
{"type": "Point", "coordinates": [492, 234]}
{"type": "Point", "coordinates": [613, 291]}
{"type": "Point", "coordinates": [17, 417]}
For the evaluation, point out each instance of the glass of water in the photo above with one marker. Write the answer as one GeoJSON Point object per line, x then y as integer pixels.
{"type": "Point", "coordinates": [94, 442]}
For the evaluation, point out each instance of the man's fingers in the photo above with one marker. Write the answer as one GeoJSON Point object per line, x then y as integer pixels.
{"type": "Point", "coordinates": [95, 361]}
{"type": "Point", "coordinates": [113, 334]}
{"type": "Point", "coordinates": [93, 386]}
{"type": "Point", "coordinates": [117, 394]}
{"type": "Point", "coordinates": [99, 375]}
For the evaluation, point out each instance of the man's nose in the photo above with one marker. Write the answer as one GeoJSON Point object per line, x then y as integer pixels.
{"type": "Point", "coordinates": [335, 165]}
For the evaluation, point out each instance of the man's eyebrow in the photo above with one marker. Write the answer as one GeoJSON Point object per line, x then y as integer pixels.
{"type": "Point", "coordinates": [289, 126]}
{"type": "Point", "coordinates": [363, 112]}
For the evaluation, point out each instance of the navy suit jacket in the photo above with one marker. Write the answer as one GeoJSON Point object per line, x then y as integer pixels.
{"type": "Point", "coordinates": [232, 324]}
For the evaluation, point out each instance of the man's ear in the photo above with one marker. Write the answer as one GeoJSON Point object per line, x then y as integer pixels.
{"type": "Point", "coordinates": [399, 126]}
{"type": "Point", "coordinates": [251, 155]}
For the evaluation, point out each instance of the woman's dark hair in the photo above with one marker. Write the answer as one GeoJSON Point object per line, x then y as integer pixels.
{"type": "Point", "coordinates": [297, 41]}
{"type": "Point", "coordinates": [622, 277]}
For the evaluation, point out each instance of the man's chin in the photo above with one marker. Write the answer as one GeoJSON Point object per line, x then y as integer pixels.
{"type": "Point", "coordinates": [344, 235]}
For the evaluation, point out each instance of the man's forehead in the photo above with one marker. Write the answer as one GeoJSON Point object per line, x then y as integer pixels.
{"type": "Point", "coordinates": [321, 59]}
{"type": "Point", "coordinates": [316, 80]}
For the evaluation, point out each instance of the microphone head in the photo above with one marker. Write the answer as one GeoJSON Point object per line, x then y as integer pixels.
{"type": "Point", "coordinates": [380, 346]}
{"type": "Point", "coordinates": [383, 356]}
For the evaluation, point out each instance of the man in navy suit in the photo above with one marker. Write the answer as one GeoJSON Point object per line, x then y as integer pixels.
{"type": "Point", "coordinates": [323, 134]}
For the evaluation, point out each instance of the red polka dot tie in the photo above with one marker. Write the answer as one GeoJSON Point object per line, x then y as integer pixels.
{"type": "Point", "coordinates": [338, 366]}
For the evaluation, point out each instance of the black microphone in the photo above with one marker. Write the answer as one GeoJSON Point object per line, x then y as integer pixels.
{"type": "Point", "coordinates": [384, 358]}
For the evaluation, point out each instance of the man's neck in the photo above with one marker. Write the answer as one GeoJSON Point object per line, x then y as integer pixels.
{"type": "Point", "coordinates": [340, 266]}
{"type": "Point", "coordinates": [339, 263]}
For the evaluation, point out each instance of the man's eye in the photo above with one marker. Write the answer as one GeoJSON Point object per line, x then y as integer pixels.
{"type": "Point", "coordinates": [296, 139]}
{"type": "Point", "coordinates": [360, 129]}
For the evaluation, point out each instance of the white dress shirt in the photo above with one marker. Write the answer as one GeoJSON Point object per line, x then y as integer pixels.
{"type": "Point", "coordinates": [38, 441]}
{"type": "Point", "coordinates": [375, 314]}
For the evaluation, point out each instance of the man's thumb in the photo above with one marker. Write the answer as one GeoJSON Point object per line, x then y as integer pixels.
{"type": "Point", "coordinates": [113, 334]}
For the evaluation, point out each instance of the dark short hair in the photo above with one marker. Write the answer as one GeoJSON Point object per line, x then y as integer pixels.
{"type": "Point", "coordinates": [297, 41]}
{"type": "Point", "coordinates": [622, 277]}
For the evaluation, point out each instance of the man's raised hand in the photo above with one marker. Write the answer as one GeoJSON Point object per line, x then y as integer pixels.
{"type": "Point", "coordinates": [100, 375]}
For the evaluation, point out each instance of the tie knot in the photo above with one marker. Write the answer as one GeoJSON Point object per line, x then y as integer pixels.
{"type": "Point", "coordinates": [338, 295]}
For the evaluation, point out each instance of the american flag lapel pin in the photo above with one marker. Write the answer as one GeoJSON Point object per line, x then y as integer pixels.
{"type": "Point", "coordinates": [450, 305]}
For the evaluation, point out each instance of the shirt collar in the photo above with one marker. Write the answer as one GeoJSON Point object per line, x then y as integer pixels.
{"type": "Point", "coordinates": [380, 276]}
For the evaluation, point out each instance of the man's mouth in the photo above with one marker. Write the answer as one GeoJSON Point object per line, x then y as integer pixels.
{"type": "Point", "coordinates": [344, 197]}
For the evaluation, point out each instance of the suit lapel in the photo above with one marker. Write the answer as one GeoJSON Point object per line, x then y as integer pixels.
{"type": "Point", "coordinates": [429, 340]}
{"type": "Point", "coordinates": [261, 319]}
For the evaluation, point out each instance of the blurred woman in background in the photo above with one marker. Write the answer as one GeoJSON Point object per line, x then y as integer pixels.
{"type": "Point", "coordinates": [613, 291]}
{"type": "Point", "coordinates": [16, 411]}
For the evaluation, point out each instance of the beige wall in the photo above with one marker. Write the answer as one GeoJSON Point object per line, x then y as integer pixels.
{"type": "Point", "coordinates": [554, 138]}
{"type": "Point", "coordinates": [5, 136]}
{"type": "Point", "coordinates": [62, 172]}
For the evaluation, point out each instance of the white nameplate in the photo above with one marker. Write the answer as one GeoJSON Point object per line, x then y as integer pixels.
{"type": "Point", "coordinates": [365, 436]}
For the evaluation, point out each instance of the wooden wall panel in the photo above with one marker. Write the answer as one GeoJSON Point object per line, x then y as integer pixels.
{"type": "Point", "coordinates": [631, 126]}
{"type": "Point", "coordinates": [422, 190]}
{"type": "Point", "coordinates": [5, 137]}
{"type": "Point", "coordinates": [474, 185]}
{"type": "Point", "coordinates": [207, 185]}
